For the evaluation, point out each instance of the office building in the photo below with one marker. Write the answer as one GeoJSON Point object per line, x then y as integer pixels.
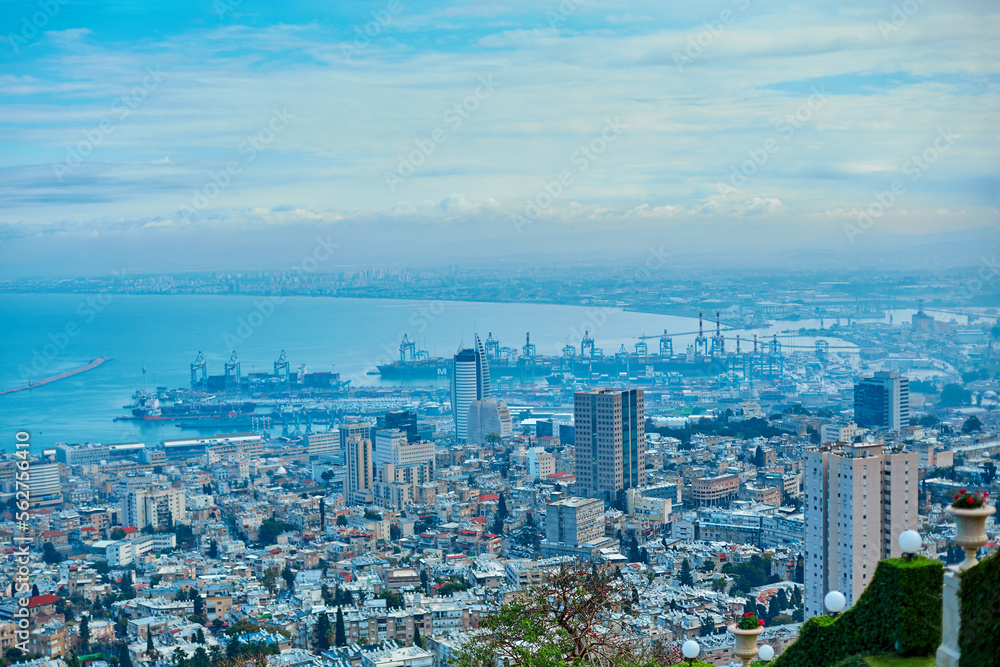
{"type": "Point", "coordinates": [610, 442]}
{"type": "Point", "coordinates": [92, 453]}
{"type": "Point", "coordinates": [401, 420]}
{"type": "Point", "coordinates": [575, 527]}
{"type": "Point", "coordinates": [320, 444]}
{"type": "Point", "coordinates": [46, 486]}
{"type": "Point", "coordinates": [715, 490]}
{"type": "Point", "coordinates": [470, 381]}
{"type": "Point", "coordinates": [350, 430]}
{"type": "Point", "coordinates": [360, 471]}
{"type": "Point", "coordinates": [393, 447]}
{"type": "Point", "coordinates": [159, 508]}
{"type": "Point", "coordinates": [544, 427]}
{"type": "Point", "coordinates": [859, 499]}
{"type": "Point", "coordinates": [882, 401]}
{"type": "Point", "coordinates": [486, 417]}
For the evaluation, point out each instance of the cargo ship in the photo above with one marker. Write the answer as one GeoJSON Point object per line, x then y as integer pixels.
{"type": "Point", "coordinates": [706, 357]}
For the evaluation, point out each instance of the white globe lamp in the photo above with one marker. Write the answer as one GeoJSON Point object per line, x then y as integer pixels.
{"type": "Point", "coordinates": [910, 543]}
{"type": "Point", "coordinates": [835, 602]}
{"type": "Point", "coordinates": [690, 649]}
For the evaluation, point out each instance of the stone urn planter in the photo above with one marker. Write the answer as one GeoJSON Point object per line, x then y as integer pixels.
{"type": "Point", "coordinates": [746, 643]}
{"type": "Point", "coordinates": [971, 531]}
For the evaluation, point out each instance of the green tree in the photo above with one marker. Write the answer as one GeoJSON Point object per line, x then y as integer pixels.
{"type": "Point", "coordinates": [686, 578]}
{"type": "Point", "coordinates": [502, 507]}
{"type": "Point", "coordinates": [118, 533]}
{"type": "Point", "coordinates": [199, 636]}
{"type": "Point", "coordinates": [989, 472]}
{"type": "Point", "coordinates": [199, 603]}
{"type": "Point", "coordinates": [340, 636]}
{"type": "Point", "coordinates": [759, 458]}
{"type": "Point", "coordinates": [232, 647]}
{"type": "Point", "coordinates": [954, 396]}
{"type": "Point", "coordinates": [321, 637]}
{"type": "Point", "coordinates": [289, 578]}
{"type": "Point", "coordinates": [342, 521]}
{"type": "Point", "coordinates": [124, 659]}
{"type": "Point", "coordinates": [50, 555]}
{"type": "Point", "coordinates": [200, 658]}
{"type": "Point", "coordinates": [149, 641]}
{"type": "Point", "coordinates": [972, 425]}
{"type": "Point", "coordinates": [417, 640]}
{"type": "Point", "coordinates": [213, 549]}
{"type": "Point", "coordinates": [269, 580]}
{"type": "Point", "coordinates": [125, 586]}
{"type": "Point", "coordinates": [85, 632]}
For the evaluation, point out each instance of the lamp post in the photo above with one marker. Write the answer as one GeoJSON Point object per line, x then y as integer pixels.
{"type": "Point", "coordinates": [910, 542]}
{"type": "Point", "coordinates": [690, 649]}
{"type": "Point", "coordinates": [835, 602]}
{"type": "Point", "coordinates": [766, 653]}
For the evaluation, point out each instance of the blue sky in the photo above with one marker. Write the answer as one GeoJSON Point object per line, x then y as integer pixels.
{"type": "Point", "coordinates": [130, 130]}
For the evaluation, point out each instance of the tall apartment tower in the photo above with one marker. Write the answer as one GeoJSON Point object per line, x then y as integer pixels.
{"type": "Point", "coordinates": [360, 470]}
{"type": "Point", "coordinates": [350, 430]}
{"type": "Point", "coordinates": [882, 401]}
{"type": "Point", "coordinates": [392, 446]}
{"type": "Point", "coordinates": [470, 381]}
{"type": "Point", "coordinates": [859, 499]}
{"type": "Point", "coordinates": [610, 432]}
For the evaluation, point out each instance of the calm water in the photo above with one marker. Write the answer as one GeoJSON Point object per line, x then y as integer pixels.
{"type": "Point", "coordinates": [47, 334]}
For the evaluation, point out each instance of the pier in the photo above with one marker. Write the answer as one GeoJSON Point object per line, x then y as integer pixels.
{"type": "Point", "coordinates": [82, 369]}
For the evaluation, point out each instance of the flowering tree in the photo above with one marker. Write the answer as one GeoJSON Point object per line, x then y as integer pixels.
{"type": "Point", "coordinates": [567, 620]}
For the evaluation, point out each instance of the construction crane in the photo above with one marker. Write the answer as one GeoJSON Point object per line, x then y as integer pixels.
{"type": "Point", "coordinates": [199, 365]}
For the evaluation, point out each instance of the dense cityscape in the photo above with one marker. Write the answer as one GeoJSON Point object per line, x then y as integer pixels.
{"type": "Point", "coordinates": [506, 333]}
{"type": "Point", "coordinates": [334, 523]}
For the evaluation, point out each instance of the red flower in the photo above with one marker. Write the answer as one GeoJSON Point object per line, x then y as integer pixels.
{"type": "Point", "coordinates": [762, 621]}
{"type": "Point", "coordinates": [970, 500]}
{"type": "Point", "coordinates": [748, 614]}
{"type": "Point", "coordinates": [956, 496]}
{"type": "Point", "coordinates": [986, 494]}
{"type": "Point", "coordinates": [961, 490]}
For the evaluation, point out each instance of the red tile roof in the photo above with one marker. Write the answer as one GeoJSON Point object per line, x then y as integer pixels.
{"type": "Point", "coordinates": [42, 600]}
{"type": "Point", "coordinates": [487, 497]}
{"type": "Point", "coordinates": [130, 529]}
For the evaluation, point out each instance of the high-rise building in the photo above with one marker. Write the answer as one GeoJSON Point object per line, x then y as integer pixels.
{"type": "Point", "coordinates": [573, 521]}
{"type": "Point", "coordinates": [46, 485]}
{"type": "Point", "coordinates": [149, 506]}
{"type": "Point", "coordinates": [486, 417]}
{"type": "Point", "coordinates": [859, 499]}
{"type": "Point", "coordinates": [350, 430]}
{"type": "Point", "coordinates": [610, 434]}
{"type": "Point", "coordinates": [402, 420]}
{"type": "Point", "coordinates": [470, 381]}
{"type": "Point", "coordinates": [360, 470]}
{"type": "Point", "coordinates": [392, 447]}
{"type": "Point", "coordinates": [882, 401]}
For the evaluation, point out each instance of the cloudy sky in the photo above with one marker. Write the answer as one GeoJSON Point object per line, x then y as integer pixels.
{"type": "Point", "coordinates": [231, 133]}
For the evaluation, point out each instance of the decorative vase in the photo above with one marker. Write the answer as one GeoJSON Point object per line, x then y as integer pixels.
{"type": "Point", "coordinates": [971, 531]}
{"type": "Point", "coordinates": [746, 643]}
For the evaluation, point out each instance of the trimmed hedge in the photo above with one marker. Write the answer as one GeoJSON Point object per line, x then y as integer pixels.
{"type": "Point", "coordinates": [899, 612]}
{"type": "Point", "coordinates": [979, 597]}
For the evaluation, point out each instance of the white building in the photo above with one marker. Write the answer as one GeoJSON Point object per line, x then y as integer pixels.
{"type": "Point", "coordinates": [391, 447]}
{"type": "Point", "coordinates": [859, 499]}
{"type": "Point", "coordinates": [360, 470]}
{"type": "Point", "coordinates": [540, 463]}
{"type": "Point", "coordinates": [470, 381]}
{"type": "Point", "coordinates": [153, 507]}
{"type": "Point", "coordinates": [486, 417]}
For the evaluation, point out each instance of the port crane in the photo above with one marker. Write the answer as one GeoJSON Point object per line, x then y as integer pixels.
{"type": "Point", "coordinates": [407, 345]}
{"type": "Point", "coordinates": [281, 368]}
{"type": "Point", "coordinates": [492, 347]}
{"type": "Point", "coordinates": [232, 371]}
{"type": "Point", "coordinates": [199, 364]}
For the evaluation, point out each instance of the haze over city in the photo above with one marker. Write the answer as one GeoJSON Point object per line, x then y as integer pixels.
{"type": "Point", "coordinates": [573, 333]}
